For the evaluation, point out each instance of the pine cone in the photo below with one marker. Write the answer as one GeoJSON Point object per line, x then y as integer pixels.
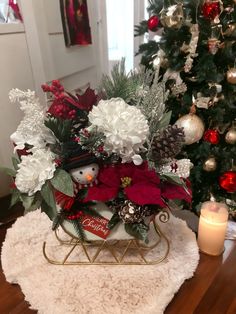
{"type": "Point", "coordinates": [132, 213]}
{"type": "Point", "coordinates": [167, 143]}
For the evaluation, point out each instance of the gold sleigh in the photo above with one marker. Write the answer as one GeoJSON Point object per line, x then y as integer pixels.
{"type": "Point", "coordinates": [110, 252]}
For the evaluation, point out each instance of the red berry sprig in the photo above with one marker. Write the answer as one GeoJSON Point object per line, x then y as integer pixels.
{"type": "Point", "coordinates": [75, 216]}
{"type": "Point", "coordinates": [56, 89]}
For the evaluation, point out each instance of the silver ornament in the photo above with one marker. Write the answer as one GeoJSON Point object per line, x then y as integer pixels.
{"type": "Point", "coordinates": [193, 128]}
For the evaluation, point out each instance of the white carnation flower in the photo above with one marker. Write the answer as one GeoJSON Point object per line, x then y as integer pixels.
{"type": "Point", "coordinates": [124, 126]}
{"type": "Point", "coordinates": [31, 129]}
{"type": "Point", "coordinates": [34, 170]}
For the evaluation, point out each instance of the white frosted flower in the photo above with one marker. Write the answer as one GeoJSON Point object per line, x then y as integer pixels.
{"type": "Point", "coordinates": [31, 129]}
{"type": "Point", "coordinates": [34, 170]}
{"type": "Point", "coordinates": [124, 126]}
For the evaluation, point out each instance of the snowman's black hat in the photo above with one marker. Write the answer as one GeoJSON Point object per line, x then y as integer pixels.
{"type": "Point", "coordinates": [77, 157]}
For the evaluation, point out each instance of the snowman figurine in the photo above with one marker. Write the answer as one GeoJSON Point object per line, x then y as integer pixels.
{"type": "Point", "coordinates": [83, 168]}
{"type": "Point", "coordinates": [85, 175]}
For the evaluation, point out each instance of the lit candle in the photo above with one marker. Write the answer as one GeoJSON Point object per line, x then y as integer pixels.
{"type": "Point", "coordinates": [212, 228]}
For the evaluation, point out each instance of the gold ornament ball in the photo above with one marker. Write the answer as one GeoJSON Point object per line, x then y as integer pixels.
{"type": "Point", "coordinates": [231, 76]}
{"type": "Point", "coordinates": [230, 136]}
{"type": "Point", "coordinates": [172, 17]}
{"type": "Point", "coordinates": [193, 128]}
{"type": "Point", "coordinates": [210, 164]}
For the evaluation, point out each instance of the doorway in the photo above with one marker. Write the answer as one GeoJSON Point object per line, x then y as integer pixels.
{"type": "Point", "coordinates": [122, 15]}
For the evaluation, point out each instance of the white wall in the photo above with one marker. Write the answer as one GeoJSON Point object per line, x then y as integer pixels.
{"type": "Point", "coordinates": [50, 58]}
{"type": "Point", "coordinates": [15, 71]}
{"type": "Point", "coordinates": [36, 53]}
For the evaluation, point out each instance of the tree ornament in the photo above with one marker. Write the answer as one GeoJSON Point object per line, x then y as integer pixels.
{"type": "Point", "coordinates": [213, 45]}
{"type": "Point", "coordinates": [133, 213]}
{"type": "Point", "coordinates": [210, 164]}
{"type": "Point", "coordinates": [172, 16]}
{"type": "Point", "coordinates": [230, 136]}
{"type": "Point", "coordinates": [193, 127]}
{"type": "Point", "coordinates": [230, 29]}
{"type": "Point", "coordinates": [194, 30]}
{"type": "Point", "coordinates": [231, 76]}
{"type": "Point", "coordinates": [211, 10]}
{"type": "Point", "coordinates": [167, 143]}
{"type": "Point", "coordinates": [153, 23]}
{"type": "Point", "coordinates": [211, 136]}
{"type": "Point", "coordinates": [201, 102]}
{"type": "Point", "coordinates": [227, 181]}
{"type": "Point", "coordinates": [180, 167]}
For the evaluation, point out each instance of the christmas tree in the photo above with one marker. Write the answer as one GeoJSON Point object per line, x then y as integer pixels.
{"type": "Point", "coordinates": [192, 44]}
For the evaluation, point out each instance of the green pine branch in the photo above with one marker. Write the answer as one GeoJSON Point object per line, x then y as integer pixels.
{"type": "Point", "coordinates": [61, 128]}
{"type": "Point", "coordinates": [79, 229]}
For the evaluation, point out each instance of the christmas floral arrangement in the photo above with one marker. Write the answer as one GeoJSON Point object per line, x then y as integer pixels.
{"type": "Point", "coordinates": [114, 147]}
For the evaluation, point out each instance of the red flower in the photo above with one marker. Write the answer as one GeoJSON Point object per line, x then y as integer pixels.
{"type": "Point", "coordinates": [140, 185]}
{"type": "Point", "coordinates": [87, 100]}
{"type": "Point", "coordinates": [172, 191]}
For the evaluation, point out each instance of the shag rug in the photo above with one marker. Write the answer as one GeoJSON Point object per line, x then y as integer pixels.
{"type": "Point", "coordinates": [52, 289]}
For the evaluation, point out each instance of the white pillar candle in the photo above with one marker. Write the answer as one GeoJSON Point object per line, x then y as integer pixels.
{"type": "Point", "coordinates": [212, 228]}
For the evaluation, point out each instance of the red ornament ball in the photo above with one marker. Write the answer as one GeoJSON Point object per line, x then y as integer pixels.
{"type": "Point", "coordinates": [211, 136]}
{"type": "Point", "coordinates": [227, 181]}
{"type": "Point", "coordinates": [153, 23]}
{"type": "Point", "coordinates": [211, 9]}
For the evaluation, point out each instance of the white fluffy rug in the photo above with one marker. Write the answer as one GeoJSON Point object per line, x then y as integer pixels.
{"type": "Point", "coordinates": [95, 289]}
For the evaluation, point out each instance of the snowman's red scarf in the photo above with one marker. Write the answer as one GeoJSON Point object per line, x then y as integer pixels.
{"type": "Point", "coordinates": [66, 201]}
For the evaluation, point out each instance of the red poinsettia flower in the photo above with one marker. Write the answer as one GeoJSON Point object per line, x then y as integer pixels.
{"type": "Point", "coordinates": [140, 185]}
{"type": "Point", "coordinates": [87, 100]}
{"type": "Point", "coordinates": [171, 191]}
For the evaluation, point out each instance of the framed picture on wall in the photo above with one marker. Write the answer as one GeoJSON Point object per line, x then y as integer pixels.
{"type": "Point", "coordinates": [75, 21]}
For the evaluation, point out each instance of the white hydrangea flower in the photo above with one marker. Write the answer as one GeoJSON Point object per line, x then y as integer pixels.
{"type": "Point", "coordinates": [179, 167]}
{"type": "Point", "coordinates": [34, 170]}
{"type": "Point", "coordinates": [31, 129]}
{"type": "Point", "coordinates": [124, 126]}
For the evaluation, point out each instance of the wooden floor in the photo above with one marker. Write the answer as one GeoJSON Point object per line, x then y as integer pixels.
{"type": "Point", "coordinates": [211, 291]}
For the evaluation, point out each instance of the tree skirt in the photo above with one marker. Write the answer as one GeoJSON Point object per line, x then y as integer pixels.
{"type": "Point", "coordinates": [94, 289]}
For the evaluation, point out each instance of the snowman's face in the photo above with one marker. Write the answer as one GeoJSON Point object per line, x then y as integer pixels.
{"type": "Point", "coordinates": [85, 174]}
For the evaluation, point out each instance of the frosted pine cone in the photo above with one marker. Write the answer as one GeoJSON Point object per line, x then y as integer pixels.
{"type": "Point", "coordinates": [167, 144]}
{"type": "Point", "coordinates": [132, 213]}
